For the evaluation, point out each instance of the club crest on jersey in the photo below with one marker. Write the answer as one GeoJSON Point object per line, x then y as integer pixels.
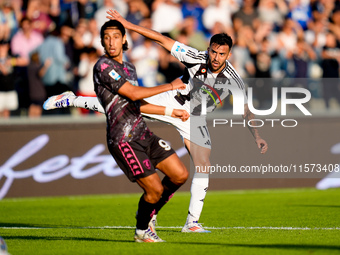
{"type": "Point", "coordinates": [203, 70]}
{"type": "Point", "coordinates": [147, 164]}
{"type": "Point", "coordinates": [114, 75]}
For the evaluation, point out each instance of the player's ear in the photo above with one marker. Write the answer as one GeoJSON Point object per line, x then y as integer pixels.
{"type": "Point", "coordinates": [229, 55]}
{"type": "Point", "coordinates": [124, 39]}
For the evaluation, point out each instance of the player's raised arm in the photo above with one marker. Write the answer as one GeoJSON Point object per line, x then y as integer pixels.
{"type": "Point", "coordinates": [138, 93]}
{"type": "Point", "coordinates": [249, 117]}
{"type": "Point", "coordinates": [157, 37]}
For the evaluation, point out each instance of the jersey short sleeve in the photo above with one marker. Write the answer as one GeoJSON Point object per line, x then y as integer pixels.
{"type": "Point", "coordinates": [123, 117]}
{"type": "Point", "coordinates": [109, 75]}
{"type": "Point", "coordinates": [187, 54]}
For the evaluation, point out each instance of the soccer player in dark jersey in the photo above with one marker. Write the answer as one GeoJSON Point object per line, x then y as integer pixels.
{"type": "Point", "coordinates": [137, 151]}
{"type": "Point", "coordinates": [204, 69]}
{"type": "Point", "coordinates": [209, 70]}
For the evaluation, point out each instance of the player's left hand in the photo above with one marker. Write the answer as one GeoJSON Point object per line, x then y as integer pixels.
{"type": "Point", "coordinates": [178, 84]}
{"type": "Point", "coordinates": [181, 114]}
{"type": "Point", "coordinates": [262, 144]}
{"type": "Point", "coordinates": [114, 15]}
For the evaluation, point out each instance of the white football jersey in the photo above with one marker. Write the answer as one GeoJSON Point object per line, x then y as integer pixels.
{"type": "Point", "coordinates": [201, 82]}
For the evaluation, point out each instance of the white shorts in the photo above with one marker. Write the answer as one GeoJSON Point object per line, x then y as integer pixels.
{"type": "Point", "coordinates": [194, 129]}
{"type": "Point", "coordinates": [8, 100]}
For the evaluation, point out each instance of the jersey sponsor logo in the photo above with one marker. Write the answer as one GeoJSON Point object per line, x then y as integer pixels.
{"type": "Point", "coordinates": [114, 75]}
{"type": "Point", "coordinates": [103, 67]}
{"type": "Point", "coordinates": [180, 49]}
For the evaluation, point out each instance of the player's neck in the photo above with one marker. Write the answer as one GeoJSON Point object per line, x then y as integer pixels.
{"type": "Point", "coordinates": [118, 58]}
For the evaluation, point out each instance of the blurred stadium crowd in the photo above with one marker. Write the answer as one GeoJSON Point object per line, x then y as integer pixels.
{"type": "Point", "coordinates": [49, 46]}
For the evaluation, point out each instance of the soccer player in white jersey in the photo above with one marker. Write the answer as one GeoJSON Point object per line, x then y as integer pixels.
{"type": "Point", "coordinates": [204, 70]}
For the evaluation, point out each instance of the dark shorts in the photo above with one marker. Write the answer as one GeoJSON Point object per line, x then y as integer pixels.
{"type": "Point", "coordinates": [138, 159]}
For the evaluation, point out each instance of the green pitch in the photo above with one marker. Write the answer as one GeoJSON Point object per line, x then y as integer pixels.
{"type": "Point", "coordinates": [285, 221]}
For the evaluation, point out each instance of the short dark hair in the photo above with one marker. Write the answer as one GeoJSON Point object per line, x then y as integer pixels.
{"type": "Point", "coordinates": [222, 39]}
{"type": "Point", "coordinates": [118, 25]}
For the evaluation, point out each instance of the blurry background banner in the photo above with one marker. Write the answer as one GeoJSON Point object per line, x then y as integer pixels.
{"type": "Point", "coordinates": [69, 156]}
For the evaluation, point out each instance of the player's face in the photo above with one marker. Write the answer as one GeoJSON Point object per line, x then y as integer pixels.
{"type": "Point", "coordinates": [218, 54]}
{"type": "Point", "coordinates": [113, 43]}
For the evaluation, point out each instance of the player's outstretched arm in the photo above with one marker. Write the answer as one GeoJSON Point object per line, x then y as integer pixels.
{"type": "Point", "coordinates": [162, 110]}
{"type": "Point", "coordinates": [162, 40]}
{"type": "Point", "coordinates": [249, 117]}
{"type": "Point", "coordinates": [138, 93]}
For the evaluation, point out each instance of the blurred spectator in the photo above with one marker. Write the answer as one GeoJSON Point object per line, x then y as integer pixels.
{"type": "Point", "coordinates": [330, 67]}
{"type": "Point", "coordinates": [262, 57]}
{"type": "Point", "coordinates": [23, 43]}
{"type": "Point", "coordinates": [135, 39]}
{"type": "Point", "coordinates": [334, 25]}
{"type": "Point", "coordinates": [265, 30]}
{"type": "Point", "coordinates": [145, 58]}
{"type": "Point", "coordinates": [78, 37]}
{"type": "Point", "coordinates": [220, 11]}
{"type": "Point", "coordinates": [316, 35]}
{"type": "Point", "coordinates": [79, 34]}
{"type": "Point", "coordinates": [37, 91]}
{"type": "Point", "coordinates": [100, 14]}
{"type": "Point", "coordinates": [246, 16]}
{"type": "Point", "coordinates": [53, 49]}
{"type": "Point", "coordinates": [91, 37]}
{"type": "Point", "coordinates": [85, 9]}
{"type": "Point", "coordinates": [196, 38]}
{"type": "Point", "coordinates": [321, 9]}
{"type": "Point", "coordinates": [195, 8]}
{"type": "Point", "coordinates": [303, 56]}
{"type": "Point", "coordinates": [74, 10]}
{"type": "Point", "coordinates": [38, 14]}
{"type": "Point", "coordinates": [287, 39]}
{"type": "Point", "coordinates": [301, 12]}
{"type": "Point", "coordinates": [137, 11]}
{"type": "Point", "coordinates": [85, 72]}
{"type": "Point", "coordinates": [25, 40]}
{"type": "Point", "coordinates": [52, 7]}
{"type": "Point", "coordinates": [8, 94]}
{"type": "Point", "coordinates": [218, 28]}
{"type": "Point", "coordinates": [273, 12]}
{"type": "Point", "coordinates": [166, 15]}
{"type": "Point", "coordinates": [240, 57]}
{"type": "Point", "coordinates": [273, 38]}
{"type": "Point", "coordinates": [10, 15]}
{"type": "Point", "coordinates": [262, 84]}
{"type": "Point", "coordinates": [66, 35]}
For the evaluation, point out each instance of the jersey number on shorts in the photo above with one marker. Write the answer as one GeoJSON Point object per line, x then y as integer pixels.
{"type": "Point", "coordinates": [164, 145]}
